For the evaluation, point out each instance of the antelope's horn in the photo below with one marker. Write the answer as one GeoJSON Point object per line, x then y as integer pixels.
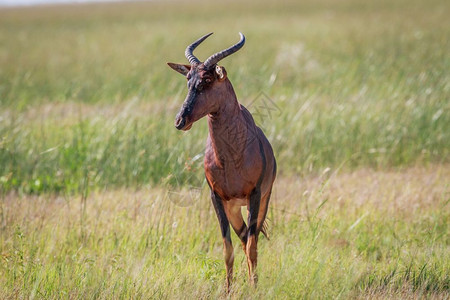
{"type": "Point", "coordinates": [215, 58]}
{"type": "Point", "coordinates": [188, 53]}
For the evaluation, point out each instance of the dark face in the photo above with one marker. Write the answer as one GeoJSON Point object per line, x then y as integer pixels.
{"type": "Point", "coordinates": [200, 99]}
{"type": "Point", "coordinates": [205, 83]}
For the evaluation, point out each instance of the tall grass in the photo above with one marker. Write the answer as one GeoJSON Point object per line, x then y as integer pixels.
{"type": "Point", "coordinates": [100, 196]}
{"type": "Point", "coordinates": [59, 155]}
{"type": "Point", "coordinates": [356, 84]}
{"type": "Point", "coordinates": [340, 235]}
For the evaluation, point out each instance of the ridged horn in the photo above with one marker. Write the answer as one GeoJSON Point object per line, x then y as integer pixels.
{"type": "Point", "coordinates": [215, 58]}
{"type": "Point", "coordinates": [189, 49]}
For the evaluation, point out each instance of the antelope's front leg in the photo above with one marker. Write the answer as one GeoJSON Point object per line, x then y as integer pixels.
{"type": "Point", "coordinates": [252, 237]}
{"type": "Point", "coordinates": [225, 229]}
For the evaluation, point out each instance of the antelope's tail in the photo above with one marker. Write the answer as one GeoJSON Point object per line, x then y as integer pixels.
{"type": "Point", "coordinates": [265, 229]}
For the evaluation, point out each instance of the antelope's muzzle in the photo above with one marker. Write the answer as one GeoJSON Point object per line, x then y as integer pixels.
{"type": "Point", "coordinates": [180, 121]}
{"type": "Point", "coordinates": [185, 112]}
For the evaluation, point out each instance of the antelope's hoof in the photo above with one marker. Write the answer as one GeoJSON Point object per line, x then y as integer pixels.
{"type": "Point", "coordinates": [228, 287]}
{"type": "Point", "coordinates": [253, 280]}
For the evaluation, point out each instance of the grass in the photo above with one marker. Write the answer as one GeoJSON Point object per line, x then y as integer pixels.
{"type": "Point", "coordinates": [342, 235]}
{"type": "Point", "coordinates": [102, 198]}
{"type": "Point", "coordinates": [85, 89]}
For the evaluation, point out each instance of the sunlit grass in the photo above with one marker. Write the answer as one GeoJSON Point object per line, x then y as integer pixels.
{"type": "Point", "coordinates": [338, 235]}
{"type": "Point", "coordinates": [101, 197]}
{"type": "Point", "coordinates": [356, 84]}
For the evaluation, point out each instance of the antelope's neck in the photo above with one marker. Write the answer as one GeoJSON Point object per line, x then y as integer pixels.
{"type": "Point", "coordinates": [228, 131]}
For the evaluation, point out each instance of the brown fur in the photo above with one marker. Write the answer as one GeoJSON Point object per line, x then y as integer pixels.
{"type": "Point", "coordinates": [239, 163]}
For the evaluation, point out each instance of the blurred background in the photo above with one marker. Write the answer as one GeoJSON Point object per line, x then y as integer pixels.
{"type": "Point", "coordinates": [13, 3]}
{"type": "Point", "coordinates": [86, 88]}
{"type": "Point", "coordinates": [87, 108]}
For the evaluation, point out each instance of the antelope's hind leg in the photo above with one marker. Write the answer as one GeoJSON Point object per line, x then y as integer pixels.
{"type": "Point", "coordinates": [252, 235]}
{"type": "Point", "coordinates": [225, 230]}
{"type": "Point", "coordinates": [236, 220]}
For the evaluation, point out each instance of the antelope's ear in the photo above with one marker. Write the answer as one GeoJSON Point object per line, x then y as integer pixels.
{"type": "Point", "coordinates": [182, 69]}
{"type": "Point", "coordinates": [221, 73]}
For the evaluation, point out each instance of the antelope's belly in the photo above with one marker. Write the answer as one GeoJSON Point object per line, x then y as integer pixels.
{"type": "Point", "coordinates": [232, 181]}
{"type": "Point", "coordinates": [231, 189]}
{"type": "Point", "coordinates": [233, 192]}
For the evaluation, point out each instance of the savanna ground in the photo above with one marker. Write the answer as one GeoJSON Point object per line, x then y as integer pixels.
{"type": "Point", "coordinates": [102, 198]}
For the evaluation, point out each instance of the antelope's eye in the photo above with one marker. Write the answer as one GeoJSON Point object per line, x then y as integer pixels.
{"type": "Point", "coordinates": [208, 80]}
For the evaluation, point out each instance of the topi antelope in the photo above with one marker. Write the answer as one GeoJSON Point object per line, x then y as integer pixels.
{"type": "Point", "coordinates": [239, 163]}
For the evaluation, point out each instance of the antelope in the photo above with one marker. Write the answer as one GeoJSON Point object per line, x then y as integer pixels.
{"type": "Point", "coordinates": [239, 163]}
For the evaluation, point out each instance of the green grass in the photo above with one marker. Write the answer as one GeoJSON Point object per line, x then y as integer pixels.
{"type": "Point", "coordinates": [101, 197]}
{"type": "Point", "coordinates": [364, 85]}
{"type": "Point", "coordinates": [340, 235]}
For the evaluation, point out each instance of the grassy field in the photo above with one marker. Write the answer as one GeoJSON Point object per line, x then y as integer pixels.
{"type": "Point", "coordinates": [341, 235]}
{"type": "Point", "coordinates": [102, 198]}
